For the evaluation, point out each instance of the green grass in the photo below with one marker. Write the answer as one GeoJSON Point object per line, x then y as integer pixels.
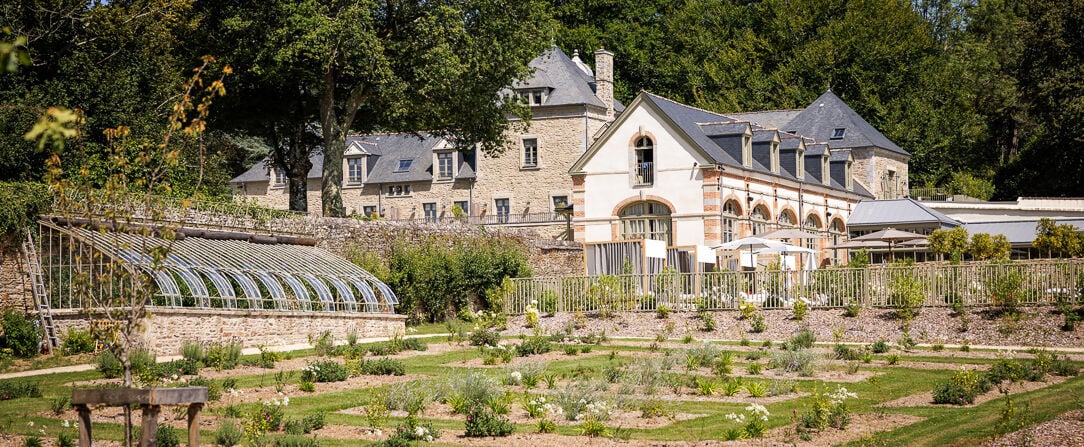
{"type": "Point", "coordinates": [941, 425]}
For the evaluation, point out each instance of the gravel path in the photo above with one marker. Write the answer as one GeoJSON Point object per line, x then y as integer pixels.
{"type": "Point", "coordinates": [1066, 430]}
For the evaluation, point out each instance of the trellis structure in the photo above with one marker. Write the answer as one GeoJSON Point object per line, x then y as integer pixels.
{"type": "Point", "coordinates": [206, 273]}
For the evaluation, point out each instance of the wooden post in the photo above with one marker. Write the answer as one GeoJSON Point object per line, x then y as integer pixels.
{"type": "Point", "coordinates": [193, 424]}
{"type": "Point", "coordinates": [149, 438]}
{"type": "Point", "coordinates": [84, 425]}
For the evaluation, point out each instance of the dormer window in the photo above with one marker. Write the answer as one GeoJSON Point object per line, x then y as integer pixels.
{"type": "Point", "coordinates": [838, 133]}
{"type": "Point", "coordinates": [747, 151]}
{"type": "Point", "coordinates": [404, 165]}
{"type": "Point", "coordinates": [355, 170]}
{"type": "Point", "coordinates": [644, 172]}
{"type": "Point", "coordinates": [445, 165]}
{"type": "Point", "coordinates": [533, 97]}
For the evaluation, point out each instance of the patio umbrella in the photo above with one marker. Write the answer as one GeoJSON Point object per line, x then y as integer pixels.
{"type": "Point", "coordinates": [748, 243]}
{"type": "Point", "coordinates": [786, 248]}
{"type": "Point", "coordinates": [860, 244]}
{"type": "Point", "coordinates": [790, 233]}
{"type": "Point", "coordinates": [891, 236]}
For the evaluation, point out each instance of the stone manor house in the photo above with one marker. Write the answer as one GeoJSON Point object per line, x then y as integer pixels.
{"type": "Point", "coordinates": [656, 169]}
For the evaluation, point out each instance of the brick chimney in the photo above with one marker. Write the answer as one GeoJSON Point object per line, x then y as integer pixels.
{"type": "Point", "coordinates": [604, 79]}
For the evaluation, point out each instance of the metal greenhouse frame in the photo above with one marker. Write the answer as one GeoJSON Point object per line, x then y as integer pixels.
{"type": "Point", "coordinates": [209, 273]}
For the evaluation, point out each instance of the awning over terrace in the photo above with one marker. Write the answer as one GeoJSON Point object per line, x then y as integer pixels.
{"type": "Point", "coordinates": [227, 274]}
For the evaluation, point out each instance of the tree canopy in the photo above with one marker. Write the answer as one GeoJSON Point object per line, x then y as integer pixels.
{"type": "Point", "coordinates": [990, 88]}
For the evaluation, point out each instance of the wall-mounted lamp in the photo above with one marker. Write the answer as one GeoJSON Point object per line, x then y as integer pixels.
{"type": "Point", "coordinates": [828, 214]}
{"type": "Point", "coordinates": [528, 205]}
{"type": "Point", "coordinates": [749, 199]}
{"type": "Point", "coordinates": [695, 164]}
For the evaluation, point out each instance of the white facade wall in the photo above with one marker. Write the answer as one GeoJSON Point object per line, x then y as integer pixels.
{"type": "Point", "coordinates": [609, 182]}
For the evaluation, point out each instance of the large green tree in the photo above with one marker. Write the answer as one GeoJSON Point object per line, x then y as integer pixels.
{"type": "Point", "coordinates": [395, 66]}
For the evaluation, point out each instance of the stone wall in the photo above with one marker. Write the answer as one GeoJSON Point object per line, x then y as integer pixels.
{"type": "Point", "coordinates": [166, 329]}
{"type": "Point", "coordinates": [14, 284]}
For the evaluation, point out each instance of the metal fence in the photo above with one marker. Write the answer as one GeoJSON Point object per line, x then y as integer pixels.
{"type": "Point", "coordinates": [979, 283]}
{"type": "Point", "coordinates": [493, 219]}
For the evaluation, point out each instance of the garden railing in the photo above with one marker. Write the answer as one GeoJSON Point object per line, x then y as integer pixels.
{"type": "Point", "coordinates": [970, 284]}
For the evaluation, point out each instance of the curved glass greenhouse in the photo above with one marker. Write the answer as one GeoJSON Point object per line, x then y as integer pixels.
{"type": "Point", "coordinates": [205, 273]}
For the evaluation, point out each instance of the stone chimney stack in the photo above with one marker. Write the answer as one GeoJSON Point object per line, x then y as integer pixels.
{"type": "Point", "coordinates": [604, 80]}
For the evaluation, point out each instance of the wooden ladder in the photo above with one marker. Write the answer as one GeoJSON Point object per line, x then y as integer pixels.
{"type": "Point", "coordinates": [41, 297]}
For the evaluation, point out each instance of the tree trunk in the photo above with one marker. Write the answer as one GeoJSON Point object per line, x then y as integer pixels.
{"type": "Point", "coordinates": [331, 192]}
{"type": "Point", "coordinates": [299, 193]}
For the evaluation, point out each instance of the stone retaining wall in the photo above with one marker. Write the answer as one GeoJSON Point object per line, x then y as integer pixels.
{"type": "Point", "coordinates": [166, 328]}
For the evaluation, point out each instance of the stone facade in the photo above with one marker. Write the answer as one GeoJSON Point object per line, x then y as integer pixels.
{"type": "Point", "coordinates": [165, 330]}
{"type": "Point", "coordinates": [881, 172]}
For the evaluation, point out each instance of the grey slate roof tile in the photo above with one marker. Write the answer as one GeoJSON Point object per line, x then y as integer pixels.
{"type": "Point", "coordinates": [690, 120]}
{"type": "Point", "coordinates": [896, 212]}
{"type": "Point", "coordinates": [828, 113]}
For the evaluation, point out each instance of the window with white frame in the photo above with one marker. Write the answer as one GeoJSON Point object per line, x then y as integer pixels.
{"type": "Point", "coordinates": [355, 170]}
{"type": "Point", "coordinates": [430, 210]}
{"type": "Point", "coordinates": [760, 218]}
{"type": "Point", "coordinates": [731, 214]}
{"type": "Point", "coordinates": [530, 152]}
{"type": "Point", "coordinates": [445, 165]}
{"type": "Point", "coordinates": [646, 220]}
{"type": "Point", "coordinates": [404, 165]}
{"type": "Point", "coordinates": [838, 133]}
{"type": "Point", "coordinates": [504, 209]}
{"type": "Point", "coordinates": [812, 225]}
{"type": "Point", "coordinates": [399, 190]}
{"type": "Point", "coordinates": [645, 161]}
{"type": "Point", "coordinates": [786, 219]}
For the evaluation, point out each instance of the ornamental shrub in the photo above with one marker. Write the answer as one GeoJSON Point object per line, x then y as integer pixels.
{"type": "Point", "coordinates": [324, 371]}
{"type": "Point", "coordinates": [482, 422]}
{"type": "Point", "coordinates": [961, 389]}
{"type": "Point", "coordinates": [21, 335]}
{"type": "Point", "coordinates": [437, 275]}
{"type": "Point", "coordinates": [78, 342]}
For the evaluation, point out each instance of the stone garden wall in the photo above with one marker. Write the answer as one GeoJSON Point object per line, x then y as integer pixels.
{"type": "Point", "coordinates": [14, 284]}
{"type": "Point", "coordinates": [167, 328]}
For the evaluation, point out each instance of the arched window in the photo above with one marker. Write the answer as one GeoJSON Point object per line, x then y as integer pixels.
{"type": "Point", "coordinates": [786, 219]}
{"type": "Point", "coordinates": [731, 214]}
{"type": "Point", "coordinates": [645, 161]}
{"type": "Point", "coordinates": [760, 218]}
{"type": "Point", "coordinates": [646, 220]}
{"type": "Point", "coordinates": [812, 225]}
{"type": "Point", "coordinates": [837, 230]}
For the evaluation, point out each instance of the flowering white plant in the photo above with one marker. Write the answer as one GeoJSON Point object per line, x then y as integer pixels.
{"type": "Point", "coordinates": [841, 394]}
{"type": "Point", "coordinates": [758, 411]}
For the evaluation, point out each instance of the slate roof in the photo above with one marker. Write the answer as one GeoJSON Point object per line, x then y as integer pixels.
{"type": "Point", "coordinates": [771, 119]}
{"type": "Point", "coordinates": [385, 152]}
{"type": "Point", "coordinates": [896, 212]}
{"type": "Point", "coordinates": [697, 122]}
{"type": "Point", "coordinates": [261, 172]}
{"type": "Point", "coordinates": [828, 113]}
{"type": "Point", "coordinates": [568, 82]}
{"type": "Point", "coordinates": [1017, 232]}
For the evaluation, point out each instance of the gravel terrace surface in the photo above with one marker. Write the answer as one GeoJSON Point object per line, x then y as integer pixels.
{"type": "Point", "coordinates": [1066, 430]}
{"type": "Point", "coordinates": [1037, 326]}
